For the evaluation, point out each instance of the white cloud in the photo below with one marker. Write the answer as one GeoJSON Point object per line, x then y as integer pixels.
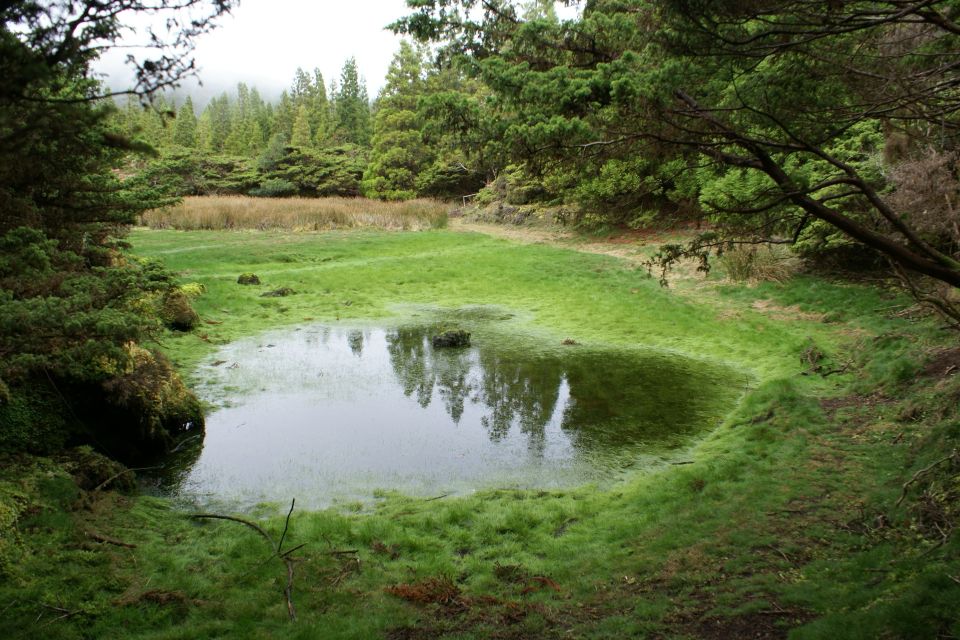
{"type": "Point", "coordinates": [264, 41]}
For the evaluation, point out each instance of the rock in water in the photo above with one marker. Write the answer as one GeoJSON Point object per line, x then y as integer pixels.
{"type": "Point", "coordinates": [456, 338]}
{"type": "Point", "coordinates": [248, 278]}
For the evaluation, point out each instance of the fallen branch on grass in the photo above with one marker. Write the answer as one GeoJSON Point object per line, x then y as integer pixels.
{"type": "Point", "coordinates": [277, 548]}
{"type": "Point", "coordinates": [65, 613]}
{"type": "Point", "coordinates": [104, 539]}
{"type": "Point", "coordinates": [923, 472]}
{"type": "Point", "coordinates": [117, 475]}
{"type": "Point", "coordinates": [252, 525]}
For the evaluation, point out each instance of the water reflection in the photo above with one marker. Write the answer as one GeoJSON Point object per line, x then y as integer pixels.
{"type": "Point", "coordinates": [324, 413]}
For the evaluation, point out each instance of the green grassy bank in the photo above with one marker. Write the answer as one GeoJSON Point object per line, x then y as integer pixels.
{"type": "Point", "coordinates": [785, 521]}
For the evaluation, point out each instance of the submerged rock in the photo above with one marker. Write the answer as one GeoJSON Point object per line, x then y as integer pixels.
{"type": "Point", "coordinates": [455, 338]}
{"type": "Point", "coordinates": [248, 278]}
{"type": "Point", "coordinates": [278, 293]}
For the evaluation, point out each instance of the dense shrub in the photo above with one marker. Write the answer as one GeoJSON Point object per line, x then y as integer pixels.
{"type": "Point", "coordinates": [275, 188]}
{"type": "Point", "coordinates": [69, 358]}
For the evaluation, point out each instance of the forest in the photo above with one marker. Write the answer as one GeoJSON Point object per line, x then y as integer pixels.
{"type": "Point", "coordinates": [707, 253]}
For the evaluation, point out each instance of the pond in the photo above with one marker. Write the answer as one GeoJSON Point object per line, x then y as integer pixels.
{"type": "Point", "coordinates": [333, 413]}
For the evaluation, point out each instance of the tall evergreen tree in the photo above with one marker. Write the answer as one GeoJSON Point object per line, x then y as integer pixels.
{"type": "Point", "coordinates": [319, 110]}
{"type": "Point", "coordinates": [301, 128]}
{"type": "Point", "coordinates": [399, 153]}
{"type": "Point", "coordinates": [300, 91]}
{"type": "Point", "coordinates": [284, 115]}
{"type": "Point", "coordinates": [351, 106]}
{"type": "Point", "coordinates": [185, 126]}
{"type": "Point", "coordinates": [220, 123]}
{"type": "Point", "coordinates": [246, 137]}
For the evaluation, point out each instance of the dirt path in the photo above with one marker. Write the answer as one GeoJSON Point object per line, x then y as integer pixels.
{"type": "Point", "coordinates": [628, 246]}
{"type": "Point", "coordinates": [635, 247]}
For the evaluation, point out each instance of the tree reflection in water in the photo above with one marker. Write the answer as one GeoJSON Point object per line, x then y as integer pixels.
{"type": "Point", "coordinates": [327, 412]}
{"type": "Point", "coordinates": [606, 398]}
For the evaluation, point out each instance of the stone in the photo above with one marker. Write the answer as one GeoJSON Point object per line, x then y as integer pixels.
{"type": "Point", "coordinates": [454, 338]}
{"type": "Point", "coordinates": [278, 293]}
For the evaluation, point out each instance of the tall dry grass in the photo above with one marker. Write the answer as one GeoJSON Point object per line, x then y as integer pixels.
{"type": "Point", "coordinates": [297, 214]}
{"type": "Point", "coordinates": [772, 263]}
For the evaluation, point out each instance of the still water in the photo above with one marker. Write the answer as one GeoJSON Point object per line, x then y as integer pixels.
{"type": "Point", "coordinates": [332, 413]}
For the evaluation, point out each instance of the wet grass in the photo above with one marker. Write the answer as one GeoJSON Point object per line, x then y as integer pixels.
{"type": "Point", "coordinates": [362, 275]}
{"type": "Point", "coordinates": [785, 518]}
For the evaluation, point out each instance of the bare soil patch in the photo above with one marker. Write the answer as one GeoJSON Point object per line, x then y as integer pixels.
{"type": "Point", "coordinates": [944, 363]}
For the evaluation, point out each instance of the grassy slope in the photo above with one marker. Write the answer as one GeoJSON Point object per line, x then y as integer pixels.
{"type": "Point", "coordinates": [777, 523]}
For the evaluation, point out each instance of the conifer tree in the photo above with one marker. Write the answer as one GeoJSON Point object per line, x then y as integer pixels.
{"type": "Point", "coordinates": [351, 106]}
{"type": "Point", "coordinates": [301, 128]}
{"type": "Point", "coordinates": [399, 152]}
{"type": "Point", "coordinates": [319, 110]}
{"type": "Point", "coordinates": [220, 123]}
{"type": "Point", "coordinates": [300, 91]}
{"type": "Point", "coordinates": [284, 115]}
{"type": "Point", "coordinates": [246, 137]}
{"type": "Point", "coordinates": [185, 126]}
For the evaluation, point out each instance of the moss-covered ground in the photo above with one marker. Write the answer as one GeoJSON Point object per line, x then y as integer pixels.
{"type": "Point", "coordinates": [785, 521]}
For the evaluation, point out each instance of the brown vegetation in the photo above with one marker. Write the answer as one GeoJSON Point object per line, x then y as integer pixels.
{"type": "Point", "coordinates": [297, 214]}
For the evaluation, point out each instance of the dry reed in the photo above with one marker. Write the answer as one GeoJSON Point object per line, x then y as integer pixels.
{"type": "Point", "coordinates": [297, 214]}
{"type": "Point", "coordinates": [773, 263]}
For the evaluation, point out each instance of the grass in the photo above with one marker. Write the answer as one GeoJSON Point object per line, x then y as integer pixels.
{"type": "Point", "coordinates": [369, 274]}
{"type": "Point", "coordinates": [297, 214]}
{"type": "Point", "coordinates": [785, 519]}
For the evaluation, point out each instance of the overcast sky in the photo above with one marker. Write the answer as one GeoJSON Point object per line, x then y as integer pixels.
{"type": "Point", "coordinates": [264, 41]}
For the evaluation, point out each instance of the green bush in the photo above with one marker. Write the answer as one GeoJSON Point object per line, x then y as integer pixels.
{"type": "Point", "coordinates": [275, 188]}
{"type": "Point", "coordinates": [70, 362]}
{"type": "Point", "coordinates": [176, 311]}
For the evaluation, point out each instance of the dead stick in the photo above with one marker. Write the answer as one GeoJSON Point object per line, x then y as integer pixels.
{"type": "Point", "coordinates": [436, 497]}
{"type": "Point", "coordinates": [287, 553]}
{"type": "Point", "coordinates": [117, 475]}
{"type": "Point", "coordinates": [922, 472]}
{"type": "Point", "coordinates": [252, 525]}
{"type": "Point", "coordinates": [343, 552]}
{"type": "Point", "coordinates": [288, 592]}
{"type": "Point", "coordinates": [102, 538]}
{"type": "Point", "coordinates": [65, 613]}
{"type": "Point", "coordinates": [285, 525]}
{"type": "Point", "coordinates": [185, 441]}
{"type": "Point", "coordinates": [7, 608]}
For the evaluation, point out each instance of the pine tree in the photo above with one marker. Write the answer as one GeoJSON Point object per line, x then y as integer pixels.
{"type": "Point", "coordinates": [319, 110]}
{"type": "Point", "coordinates": [262, 113]}
{"type": "Point", "coordinates": [220, 123]}
{"type": "Point", "coordinates": [301, 128]}
{"type": "Point", "coordinates": [300, 91]}
{"type": "Point", "coordinates": [351, 107]}
{"type": "Point", "coordinates": [185, 126]}
{"type": "Point", "coordinates": [246, 137]}
{"type": "Point", "coordinates": [399, 152]}
{"type": "Point", "coordinates": [540, 10]}
{"type": "Point", "coordinates": [284, 115]}
{"type": "Point", "coordinates": [153, 121]}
